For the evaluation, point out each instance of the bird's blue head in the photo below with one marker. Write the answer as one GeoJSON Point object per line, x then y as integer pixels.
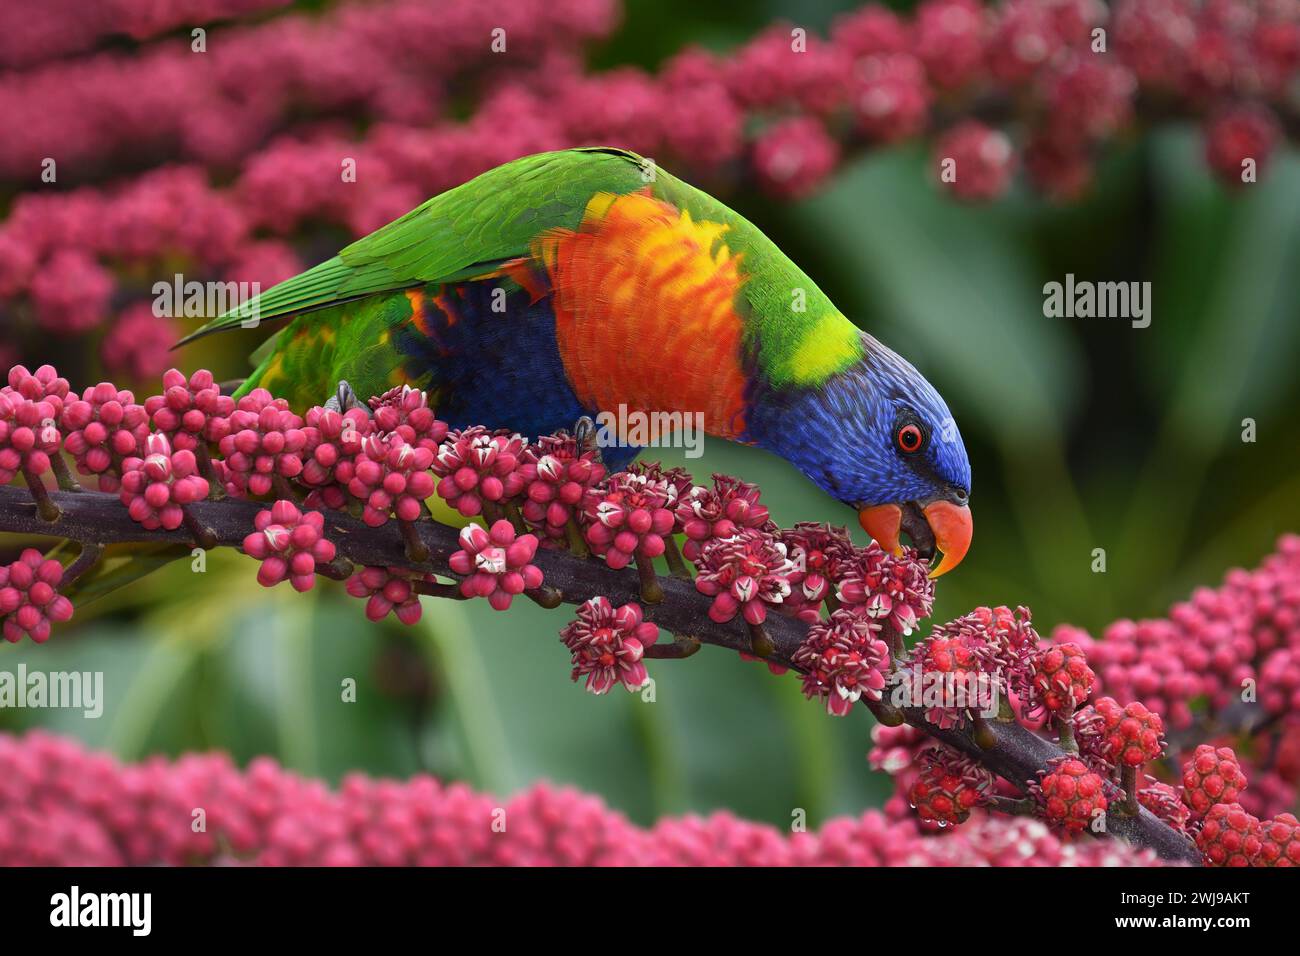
{"type": "Point", "coordinates": [880, 438]}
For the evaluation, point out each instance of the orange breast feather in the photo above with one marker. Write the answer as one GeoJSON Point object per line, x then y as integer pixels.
{"type": "Point", "coordinates": [644, 310]}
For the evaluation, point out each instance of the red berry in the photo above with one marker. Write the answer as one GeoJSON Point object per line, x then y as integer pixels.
{"type": "Point", "coordinates": [1229, 836]}
{"type": "Point", "coordinates": [1072, 796]}
{"type": "Point", "coordinates": [1062, 678]}
{"type": "Point", "coordinates": [1130, 735]}
{"type": "Point", "coordinates": [1213, 776]}
{"type": "Point", "coordinates": [1279, 841]}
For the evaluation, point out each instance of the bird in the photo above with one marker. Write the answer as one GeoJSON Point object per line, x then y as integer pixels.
{"type": "Point", "coordinates": [567, 284]}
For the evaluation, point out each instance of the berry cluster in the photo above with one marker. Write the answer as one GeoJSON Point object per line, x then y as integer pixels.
{"type": "Point", "coordinates": [289, 544]}
{"type": "Point", "coordinates": [380, 461]}
{"type": "Point", "coordinates": [63, 805]}
{"type": "Point", "coordinates": [841, 660]}
{"type": "Point", "coordinates": [608, 644]}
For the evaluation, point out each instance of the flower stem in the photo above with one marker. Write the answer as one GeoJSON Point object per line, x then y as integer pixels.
{"type": "Point", "coordinates": [437, 589]}
{"type": "Point", "coordinates": [1012, 806]}
{"type": "Point", "coordinates": [682, 647]}
{"type": "Point", "coordinates": [87, 558]}
{"type": "Point", "coordinates": [1065, 733]}
{"type": "Point", "coordinates": [577, 543]}
{"type": "Point", "coordinates": [203, 536]}
{"type": "Point", "coordinates": [47, 509]}
{"type": "Point", "coordinates": [283, 490]}
{"type": "Point", "coordinates": [416, 550]}
{"type": "Point", "coordinates": [1128, 779]}
{"type": "Point", "coordinates": [544, 596]}
{"type": "Point", "coordinates": [673, 555]}
{"type": "Point", "coordinates": [216, 490]}
{"type": "Point", "coordinates": [340, 569]}
{"type": "Point", "coordinates": [652, 592]}
{"type": "Point", "coordinates": [63, 475]}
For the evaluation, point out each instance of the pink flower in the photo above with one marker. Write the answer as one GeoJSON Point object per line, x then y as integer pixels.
{"type": "Point", "coordinates": [192, 411]}
{"type": "Point", "coordinates": [1131, 735]}
{"type": "Point", "coordinates": [139, 343]}
{"type": "Point", "coordinates": [334, 441]}
{"type": "Point", "coordinates": [391, 477]}
{"type": "Point", "coordinates": [974, 162]}
{"type": "Point", "coordinates": [1062, 679]}
{"type": "Point", "coordinates": [1072, 796]}
{"type": "Point", "coordinates": [104, 426]}
{"type": "Point", "coordinates": [156, 488]}
{"type": "Point", "coordinates": [795, 156]}
{"type": "Point", "coordinates": [45, 384]}
{"type": "Point", "coordinates": [1022, 39]}
{"type": "Point", "coordinates": [70, 292]}
{"type": "Point", "coordinates": [1229, 836]}
{"type": "Point", "coordinates": [557, 474]}
{"type": "Point", "coordinates": [897, 590]}
{"type": "Point", "coordinates": [496, 564]}
{"type": "Point", "coordinates": [608, 644]}
{"type": "Point", "coordinates": [475, 466]}
{"type": "Point", "coordinates": [388, 590]}
{"type": "Point", "coordinates": [820, 550]}
{"type": "Point", "coordinates": [29, 597]}
{"type": "Point", "coordinates": [949, 39]}
{"type": "Point", "coordinates": [704, 514]}
{"type": "Point", "coordinates": [949, 786]}
{"type": "Point", "coordinates": [843, 659]}
{"type": "Point", "coordinates": [406, 411]}
{"type": "Point", "coordinates": [29, 435]}
{"type": "Point", "coordinates": [1211, 777]}
{"type": "Point", "coordinates": [892, 98]}
{"type": "Point", "coordinates": [1236, 135]}
{"type": "Point", "coordinates": [265, 440]}
{"type": "Point", "coordinates": [628, 516]}
{"type": "Point", "coordinates": [746, 574]}
{"type": "Point", "coordinates": [289, 544]}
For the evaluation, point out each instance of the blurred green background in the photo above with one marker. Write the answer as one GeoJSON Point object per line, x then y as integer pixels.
{"type": "Point", "coordinates": [1083, 434]}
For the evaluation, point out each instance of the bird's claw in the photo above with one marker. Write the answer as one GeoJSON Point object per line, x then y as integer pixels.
{"type": "Point", "coordinates": [345, 399]}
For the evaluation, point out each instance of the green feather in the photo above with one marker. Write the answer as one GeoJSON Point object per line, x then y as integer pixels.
{"type": "Point", "coordinates": [462, 232]}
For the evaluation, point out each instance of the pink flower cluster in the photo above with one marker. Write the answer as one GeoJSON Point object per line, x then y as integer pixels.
{"type": "Point", "coordinates": [157, 487]}
{"type": "Point", "coordinates": [61, 804]}
{"type": "Point", "coordinates": [628, 516]}
{"type": "Point", "coordinates": [289, 544]}
{"type": "Point", "coordinates": [783, 109]}
{"type": "Point", "coordinates": [70, 26]}
{"type": "Point", "coordinates": [608, 645]}
{"type": "Point", "coordinates": [843, 659]}
{"type": "Point", "coordinates": [896, 590]}
{"type": "Point", "coordinates": [1194, 666]}
{"type": "Point", "coordinates": [217, 104]}
{"type": "Point", "coordinates": [496, 564]}
{"type": "Point", "coordinates": [29, 598]}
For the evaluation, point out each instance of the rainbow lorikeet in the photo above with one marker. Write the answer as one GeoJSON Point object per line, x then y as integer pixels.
{"type": "Point", "coordinates": [569, 283]}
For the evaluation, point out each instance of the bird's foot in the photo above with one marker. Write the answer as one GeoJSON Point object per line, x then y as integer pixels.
{"type": "Point", "coordinates": [344, 399]}
{"type": "Point", "coordinates": [584, 433]}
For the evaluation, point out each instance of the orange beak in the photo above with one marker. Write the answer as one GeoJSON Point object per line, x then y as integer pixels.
{"type": "Point", "coordinates": [883, 522]}
{"type": "Point", "coordinates": [951, 525]}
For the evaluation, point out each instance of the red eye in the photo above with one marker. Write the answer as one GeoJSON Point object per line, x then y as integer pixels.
{"type": "Point", "coordinates": [910, 439]}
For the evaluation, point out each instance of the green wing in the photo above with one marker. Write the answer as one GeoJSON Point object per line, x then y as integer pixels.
{"type": "Point", "coordinates": [456, 235]}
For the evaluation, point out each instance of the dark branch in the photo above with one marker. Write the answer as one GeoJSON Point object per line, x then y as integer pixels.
{"type": "Point", "coordinates": [1017, 754]}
